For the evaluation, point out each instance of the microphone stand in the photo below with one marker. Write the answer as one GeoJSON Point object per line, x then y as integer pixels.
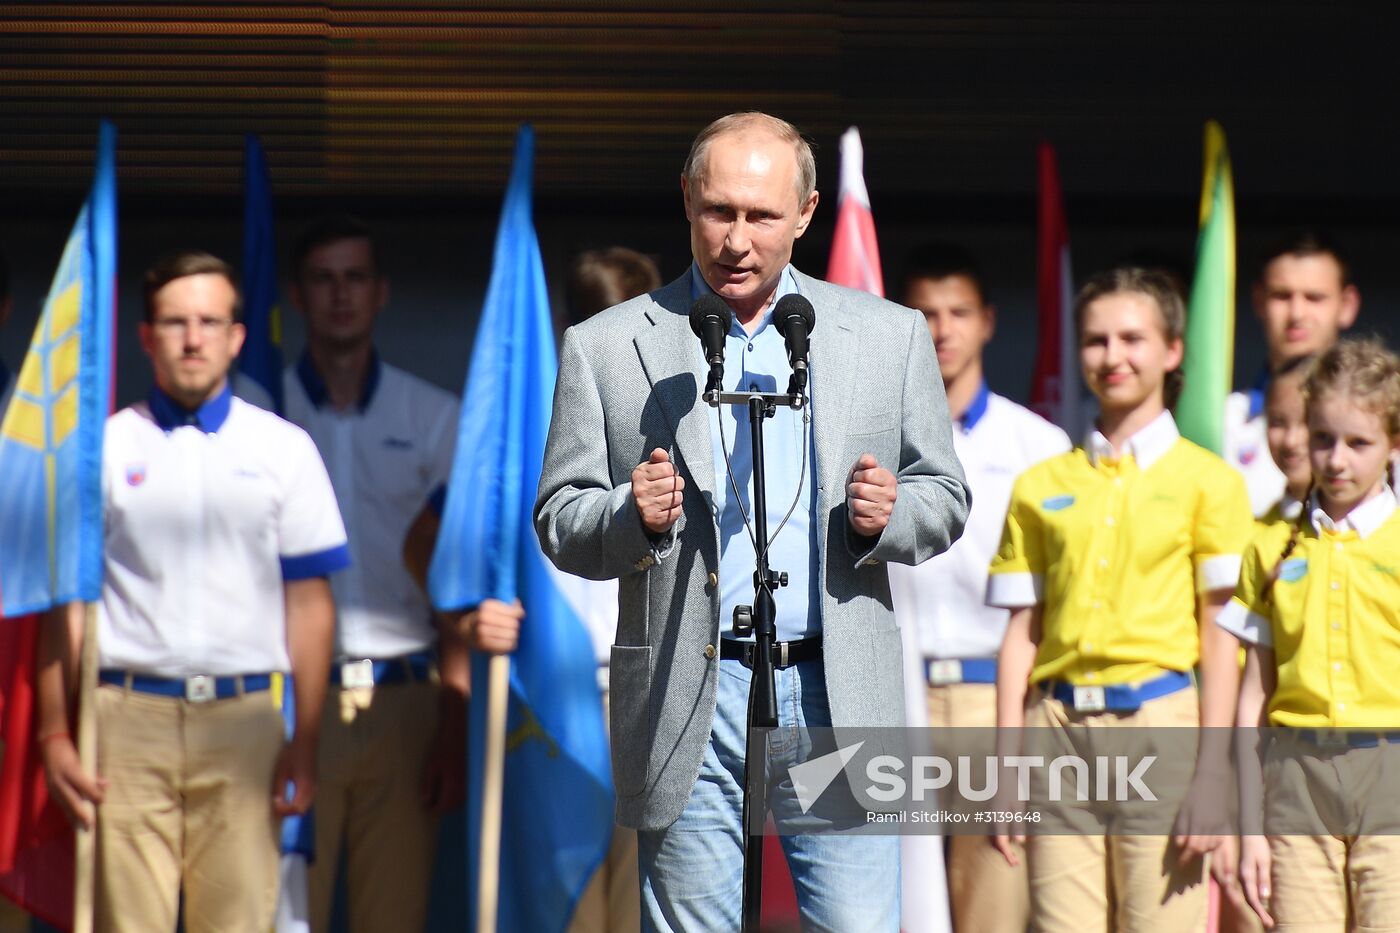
{"type": "Point", "coordinates": [758, 620]}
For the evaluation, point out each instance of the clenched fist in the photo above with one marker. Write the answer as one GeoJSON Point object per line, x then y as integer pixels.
{"type": "Point", "coordinates": [870, 495]}
{"type": "Point", "coordinates": [656, 488]}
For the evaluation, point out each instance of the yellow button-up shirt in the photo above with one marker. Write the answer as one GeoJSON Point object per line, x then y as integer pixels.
{"type": "Point", "coordinates": [1332, 617]}
{"type": "Point", "coordinates": [1115, 546]}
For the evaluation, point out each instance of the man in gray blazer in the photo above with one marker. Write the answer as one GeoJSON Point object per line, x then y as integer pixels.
{"type": "Point", "coordinates": [635, 486]}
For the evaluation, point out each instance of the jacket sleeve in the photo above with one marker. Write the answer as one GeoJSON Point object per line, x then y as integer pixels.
{"type": "Point", "coordinates": [931, 507]}
{"type": "Point", "coordinates": [586, 525]}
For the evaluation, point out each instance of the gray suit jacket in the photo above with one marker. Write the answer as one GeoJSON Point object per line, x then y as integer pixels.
{"type": "Point", "coordinates": [630, 381]}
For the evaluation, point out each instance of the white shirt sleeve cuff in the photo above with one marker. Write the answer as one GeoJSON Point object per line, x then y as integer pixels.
{"type": "Point", "coordinates": [1014, 590]}
{"type": "Point", "coordinates": [1247, 626]}
{"type": "Point", "coordinates": [1220, 572]}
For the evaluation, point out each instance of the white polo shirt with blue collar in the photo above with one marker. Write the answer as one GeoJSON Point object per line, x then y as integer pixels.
{"type": "Point", "coordinates": [943, 598]}
{"type": "Point", "coordinates": [207, 514]}
{"type": "Point", "coordinates": [388, 456]}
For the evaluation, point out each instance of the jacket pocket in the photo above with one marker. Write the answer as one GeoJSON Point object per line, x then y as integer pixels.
{"type": "Point", "coordinates": [629, 717]}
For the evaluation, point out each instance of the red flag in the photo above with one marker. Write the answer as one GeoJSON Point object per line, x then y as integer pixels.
{"type": "Point", "coordinates": [855, 263]}
{"type": "Point", "coordinates": [1055, 385]}
{"type": "Point", "coordinates": [855, 256]}
{"type": "Point", "coordinates": [36, 843]}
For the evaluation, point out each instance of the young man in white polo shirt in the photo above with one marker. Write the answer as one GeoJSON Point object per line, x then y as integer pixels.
{"type": "Point", "coordinates": [1304, 298]}
{"type": "Point", "coordinates": [393, 749]}
{"type": "Point", "coordinates": [221, 529]}
{"type": "Point", "coordinates": [940, 602]}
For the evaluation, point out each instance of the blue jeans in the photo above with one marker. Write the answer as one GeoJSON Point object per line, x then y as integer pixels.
{"type": "Point", "coordinates": [692, 871]}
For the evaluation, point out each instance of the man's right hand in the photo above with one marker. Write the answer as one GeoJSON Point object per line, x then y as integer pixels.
{"type": "Point", "coordinates": [77, 792]}
{"type": "Point", "coordinates": [656, 488]}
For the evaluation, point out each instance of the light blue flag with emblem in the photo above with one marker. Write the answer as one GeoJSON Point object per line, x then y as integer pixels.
{"type": "Point", "coordinates": [260, 362]}
{"type": "Point", "coordinates": [558, 808]}
{"type": "Point", "coordinates": [51, 434]}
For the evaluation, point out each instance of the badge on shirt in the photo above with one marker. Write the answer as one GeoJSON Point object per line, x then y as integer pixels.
{"type": "Point", "coordinates": [1291, 571]}
{"type": "Point", "coordinates": [1247, 455]}
{"type": "Point", "coordinates": [1057, 503]}
{"type": "Point", "coordinates": [135, 474]}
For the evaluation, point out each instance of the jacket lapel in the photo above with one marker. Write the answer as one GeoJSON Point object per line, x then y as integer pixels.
{"type": "Point", "coordinates": [834, 359]}
{"type": "Point", "coordinates": [675, 367]}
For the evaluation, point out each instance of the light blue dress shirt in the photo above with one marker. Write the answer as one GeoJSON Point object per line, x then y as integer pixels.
{"type": "Point", "coordinates": [759, 361]}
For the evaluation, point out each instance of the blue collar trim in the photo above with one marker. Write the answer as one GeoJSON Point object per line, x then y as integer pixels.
{"type": "Point", "coordinates": [315, 387]}
{"type": "Point", "coordinates": [977, 409]}
{"type": "Point", "coordinates": [209, 417]}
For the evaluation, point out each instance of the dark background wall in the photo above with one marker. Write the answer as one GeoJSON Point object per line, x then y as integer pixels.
{"type": "Point", "coordinates": [404, 113]}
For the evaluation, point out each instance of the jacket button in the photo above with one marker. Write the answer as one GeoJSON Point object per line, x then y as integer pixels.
{"type": "Point", "coordinates": [710, 652]}
{"type": "Point", "coordinates": [714, 579]}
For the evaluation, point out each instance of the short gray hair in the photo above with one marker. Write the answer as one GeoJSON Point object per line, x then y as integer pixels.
{"type": "Point", "coordinates": [754, 121]}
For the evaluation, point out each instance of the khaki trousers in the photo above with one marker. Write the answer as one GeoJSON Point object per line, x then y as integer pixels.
{"type": "Point", "coordinates": [189, 804]}
{"type": "Point", "coordinates": [1347, 880]}
{"type": "Point", "coordinates": [1127, 884]}
{"type": "Point", "coordinates": [12, 919]}
{"type": "Point", "coordinates": [374, 744]}
{"type": "Point", "coordinates": [985, 894]}
{"type": "Point", "coordinates": [612, 901]}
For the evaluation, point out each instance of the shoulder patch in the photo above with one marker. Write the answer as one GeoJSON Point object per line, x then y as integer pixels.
{"type": "Point", "coordinates": [1057, 503]}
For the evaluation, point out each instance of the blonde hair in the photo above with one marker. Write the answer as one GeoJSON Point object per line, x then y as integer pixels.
{"type": "Point", "coordinates": [751, 121]}
{"type": "Point", "coordinates": [1154, 284]}
{"type": "Point", "coordinates": [1363, 369]}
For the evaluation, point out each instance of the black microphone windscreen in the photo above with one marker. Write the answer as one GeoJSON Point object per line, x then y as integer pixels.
{"type": "Point", "coordinates": [711, 307]}
{"type": "Point", "coordinates": [794, 306]}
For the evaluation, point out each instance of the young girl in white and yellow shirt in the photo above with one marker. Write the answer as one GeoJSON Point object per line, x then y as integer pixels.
{"type": "Point", "coordinates": [1319, 603]}
{"type": "Point", "coordinates": [1115, 559]}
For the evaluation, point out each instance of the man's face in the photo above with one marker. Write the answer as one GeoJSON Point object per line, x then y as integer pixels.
{"type": "Point", "coordinates": [341, 292]}
{"type": "Point", "coordinates": [960, 323]}
{"type": "Point", "coordinates": [744, 216]}
{"type": "Point", "coordinates": [192, 339]}
{"type": "Point", "coordinates": [1303, 305]}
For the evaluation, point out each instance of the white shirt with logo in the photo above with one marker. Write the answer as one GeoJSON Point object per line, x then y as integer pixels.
{"type": "Point", "coordinates": [944, 597]}
{"type": "Point", "coordinates": [204, 520]}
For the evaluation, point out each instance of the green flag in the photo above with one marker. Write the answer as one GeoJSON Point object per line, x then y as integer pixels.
{"type": "Point", "coordinates": [1210, 317]}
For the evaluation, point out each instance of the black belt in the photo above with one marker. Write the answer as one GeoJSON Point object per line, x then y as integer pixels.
{"type": "Point", "coordinates": [785, 653]}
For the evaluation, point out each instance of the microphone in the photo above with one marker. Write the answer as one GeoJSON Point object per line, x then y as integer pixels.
{"type": "Point", "coordinates": [795, 320]}
{"type": "Point", "coordinates": [710, 319]}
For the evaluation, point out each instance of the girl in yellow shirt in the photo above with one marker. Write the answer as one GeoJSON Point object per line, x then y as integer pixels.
{"type": "Point", "coordinates": [1318, 603]}
{"type": "Point", "coordinates": [1115, 559]}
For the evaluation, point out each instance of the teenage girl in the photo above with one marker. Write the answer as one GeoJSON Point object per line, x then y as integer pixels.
{"type": "Point", "coordinates": [1319, 603]}
{"type": "Point", "coordinates": [1115, 559]}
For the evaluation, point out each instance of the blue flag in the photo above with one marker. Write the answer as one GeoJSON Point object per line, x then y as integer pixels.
{"type": "Point", "coordinates": [558, 808]}
{"type": "Point", "coordinates": [260, 362]}
{"type": "Point", "coordinates": [51, 435]}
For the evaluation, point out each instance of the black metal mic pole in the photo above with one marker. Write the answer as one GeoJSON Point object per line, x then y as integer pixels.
{"type": "Point", "coordinates": [763, 700]}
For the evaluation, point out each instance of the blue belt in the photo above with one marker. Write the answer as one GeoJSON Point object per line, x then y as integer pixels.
{"type": "Point", "coordinates": [1119, 698]}
{"type": "Point", "coordinates": [370, 672]}
{"type": "Point", "coordinates": [1345, 738]}
{"type": "Point", "coordinates": [197, 689]}
{"type": "Point", "coordinates": [940, 672]}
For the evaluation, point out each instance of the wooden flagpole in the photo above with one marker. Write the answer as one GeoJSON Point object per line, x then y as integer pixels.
{"type": "Point", "coordinates": [492, 787]}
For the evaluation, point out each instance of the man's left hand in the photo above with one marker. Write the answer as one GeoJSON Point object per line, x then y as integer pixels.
{"type": "Point", "coordinates": [297, 766]}
{"type": "Point", "coordinates": [870, 495]}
